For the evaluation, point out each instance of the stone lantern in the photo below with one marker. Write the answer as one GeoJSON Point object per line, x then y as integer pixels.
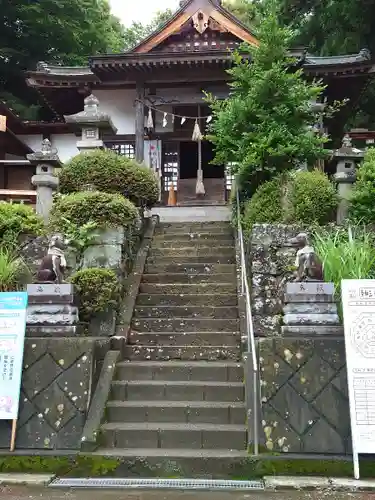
{"type": "Point", "coordinates": [92, 123]}
{"type": "Point", "coordinates": [347, 159]}
{"type": "Point", "coordinates": [46, 160]}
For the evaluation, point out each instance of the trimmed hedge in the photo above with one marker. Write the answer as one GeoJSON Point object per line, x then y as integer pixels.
{"type": "Point", "coordinates": [312, 198]}
{"type": "Point", "coordinates": [265, 206]}
{"type": "Point", "coordinates": [98, 290]}
{"type": "Point", "coordinates": [111, 173]}
{"type": "Point", "coordinates": [302, 197]}
{"type": "Point", "coordinates": [362, 208]}
{"type": "Point", "coordinates": [103, 209]}
{"type": "Point", "coordinates": [17, 219]}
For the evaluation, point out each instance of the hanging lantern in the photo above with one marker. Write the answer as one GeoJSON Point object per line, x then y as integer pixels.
{"type": "Point", "coordinates": [150, 121]}
{"type": "Point", "coordinates": [197, 135]}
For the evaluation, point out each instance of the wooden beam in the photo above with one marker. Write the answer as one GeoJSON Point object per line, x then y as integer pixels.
{"type": "Point", "coordinates": [139, 122]}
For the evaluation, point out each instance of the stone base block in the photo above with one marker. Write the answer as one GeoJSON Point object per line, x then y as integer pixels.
{"type": "Point", "coordinates": [305, 330]}
{"type": "Point", "coordinates": [311, 319]}
{"type": "Point", "coordinates": [54, 330]}
{"type": "Point", "coordinates": [311, 308]}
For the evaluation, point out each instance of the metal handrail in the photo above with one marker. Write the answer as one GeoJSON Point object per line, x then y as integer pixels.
{"type": "Point", "coordinates": [250, 345]}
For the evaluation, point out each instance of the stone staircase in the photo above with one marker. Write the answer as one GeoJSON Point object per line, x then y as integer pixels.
{"type": "Point", "coordinates": [180, 392]}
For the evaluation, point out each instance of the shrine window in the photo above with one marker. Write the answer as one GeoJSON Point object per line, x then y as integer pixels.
{"type": "Point", "coordinates": [123, 149]}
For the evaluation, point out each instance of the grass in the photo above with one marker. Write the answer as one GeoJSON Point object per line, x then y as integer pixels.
{"type": "Point", "coordinates": [346, 254]}
{"type": "Point", "coordinates": [14, 272]}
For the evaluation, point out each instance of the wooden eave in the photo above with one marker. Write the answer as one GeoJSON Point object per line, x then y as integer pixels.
{"type": "Point", "coordinates": [185, 13]}
{"type": "Point", "coordinates": [339, 70]}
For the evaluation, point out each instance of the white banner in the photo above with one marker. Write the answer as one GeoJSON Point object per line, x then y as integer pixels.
{"type": "Point", "coordinates": [13, 307]}
{"type": "Point", "coordinates": [358, 300]}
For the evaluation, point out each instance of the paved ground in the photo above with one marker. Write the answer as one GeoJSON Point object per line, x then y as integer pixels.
{"type": "Point", "coordinates": [23, 493]}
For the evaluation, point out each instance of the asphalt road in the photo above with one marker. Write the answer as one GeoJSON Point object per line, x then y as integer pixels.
{"type": "Point", "coordinates": [31, 493]}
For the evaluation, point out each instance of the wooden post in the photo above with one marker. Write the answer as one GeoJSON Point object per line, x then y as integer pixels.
{"type": "Point", "coordinates": [139, 123]}
{"type": "Point", "coordinates": [13, 435]}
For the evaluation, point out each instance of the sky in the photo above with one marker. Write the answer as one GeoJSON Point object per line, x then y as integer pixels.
{"type": "Point", "coordinates": [140, 10]}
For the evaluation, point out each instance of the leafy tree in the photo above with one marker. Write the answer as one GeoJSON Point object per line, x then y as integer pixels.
{"type": "Point", "coordinates": [265, 124]}
{"type": "Point", "coordinates": [138, 31]}
{"type": "Point", "coordinates": [57, 31]}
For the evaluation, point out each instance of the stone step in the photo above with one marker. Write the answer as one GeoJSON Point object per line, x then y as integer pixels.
{"type": "Point", "coordinates": [162, 390]}
{"type": "Point", "coordinates": [190, 268]}
{"type": "Point", "coordinates": [168, 435]}
{"type": "Point", "coordinates": [193, 227]}
{"type": "Point", "coordinates": [194, 236]}
{"type": "Point", "coordinates": [187, 353]}
{"type": "Point", "coordinates": [161, 299]}
{"type": "Point", "coordinates": [192, 279]}
{"type": "Point", "coordinates": [192, 243]}
{"type": "Point", "coordinates": [190, 261]}
{"type": "Point", "coordinates": [180, 370]}
{"type": "Point", "coordinates": [184, 325]}
{"type": "Point", "coordinates": [186, 289]}
{"type": "Point", "coordinates": [177, 411]}
{"type": "Point", "coordinates": [183, 339]}
{"type": "Point", "coordinates": [193, 251]}
{"type": "Point", "coordinates": [186, 312]}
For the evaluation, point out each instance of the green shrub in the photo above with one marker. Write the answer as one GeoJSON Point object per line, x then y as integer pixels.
{"type": "Point", "coordinates": [265, 206]}
{"type": "Point", "coordinates": [14, 273]}
{"type": "Point", "coordinates": [111, 173]}
{"type": "Point", "coordinates": [102, 209]}
{"type": "Point", "coordinates": [98, 290]}
{"type": "Point", "coordinates": [346, 254]}
{"type": "Point", "coordinates": [17, 219]}
{"type": "Point", "coordinates": [311, 198]}
{"type": "Point", "coordinates": [362, 208]}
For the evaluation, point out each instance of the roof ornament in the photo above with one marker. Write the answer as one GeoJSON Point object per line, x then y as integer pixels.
{"type": "Point", "coordinates": [91, 105]}
{"type": "Point", "coordinates": [200, 21]}
{"type": "Point", "coordinates": [42, 66]}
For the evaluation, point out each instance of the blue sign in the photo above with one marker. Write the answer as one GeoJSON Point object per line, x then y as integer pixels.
{"type": "Point", "coordinates": [13, 310]}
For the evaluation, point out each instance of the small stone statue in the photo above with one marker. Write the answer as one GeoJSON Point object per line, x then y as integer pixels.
{"type": "Point", "coordinates": [53, 265]}
{"type": "Point", "coordinates": [308, 264]}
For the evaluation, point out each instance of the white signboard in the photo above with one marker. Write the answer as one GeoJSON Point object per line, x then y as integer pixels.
{"type": "Point", "coordinates": [358, 300]}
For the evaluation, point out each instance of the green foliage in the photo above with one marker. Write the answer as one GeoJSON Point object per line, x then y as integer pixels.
{"type": "Point", "coordinates": [296, 198]}
{"type": "Point", "coordinates": [14, 273]}
{"type": "Point", "coordinates": [72, 30]}
{"type": "Point", "coordinates": [362, 207]}
{"type": "Point", "coordinates": [312, 198]}
{"type": "Point", "coordinates": [112, 173]}
{"type": "Point", "coordinates": [17, 219]}
{"type": "Point", "coordinates": [265, 206]}
{"type": "Point", "coordinates": [92, 208]}
{"type": "Point", "coordinates": [79, 236]}
{"type": "Point", "coordinates": [138, 31]}
{"type": "Point", "coordinates": [346, 254]}
{"type": "Point", "coordinates": [264, 124]}
{"type": "Point", "coordinates": [98, 290]}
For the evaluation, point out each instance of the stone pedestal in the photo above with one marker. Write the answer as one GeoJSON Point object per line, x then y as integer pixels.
{"type": "Point", "coordinates": [51, 310]}
{"type": "Point", "coordinates": [309, 309]}
{"type": "Point", "coordinates": [46, 160]}
{"type": "Point", "coordinates": [92, 124]}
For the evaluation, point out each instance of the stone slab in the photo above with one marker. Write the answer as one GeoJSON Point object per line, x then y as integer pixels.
{"type": "Point", "coordinates": [311, 319]}
{"type": "Point", "coordinates": [52, 319]}
{"type": "Point", "coordinates": [54, 331]}
{"type": "Point", "coordinates": [52, 309]}
{"type": "Point", "coordinates": [306, 298]}
{"type": "Point", "coordinates": [290, 482]}
{"type": "Point", "coordinates": [50, 289]}
{"type": "Point", "coordinates": [305, 330]}
{"type": "Point", "coordinates": [310, 288]}
{"type": "Point", "coordinates": [26, 479]}
{"type": "Point", "coordinates": [52, 299]}
{"type": "Point", "coordinates": [310, 308]}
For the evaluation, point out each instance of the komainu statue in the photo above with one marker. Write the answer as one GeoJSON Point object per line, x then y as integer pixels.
{"type": "Point", "coordinates": [309, 266]}
{"type": "Point", "coordinates": [53, 265]}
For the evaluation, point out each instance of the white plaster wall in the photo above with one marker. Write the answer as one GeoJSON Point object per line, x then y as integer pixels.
{"type": "Point", "coordinates": [119, 104]}
{"type": "Point", "coordinates": [34, 141]}
{"type": "Point", "coordinates": [65, 145]}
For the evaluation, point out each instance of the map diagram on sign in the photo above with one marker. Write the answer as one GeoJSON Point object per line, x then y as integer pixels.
{"type": "Point", "coordinates": [363, 334]}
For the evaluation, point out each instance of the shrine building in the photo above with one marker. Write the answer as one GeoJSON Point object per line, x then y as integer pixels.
{"type": "Point", "coordinates": [154, 95]}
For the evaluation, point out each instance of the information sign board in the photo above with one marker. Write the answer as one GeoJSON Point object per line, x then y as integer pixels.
{"type": "Point", "coordinates": [358, 300]}
{"type": "Point", "coordinates": [13, 306]}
